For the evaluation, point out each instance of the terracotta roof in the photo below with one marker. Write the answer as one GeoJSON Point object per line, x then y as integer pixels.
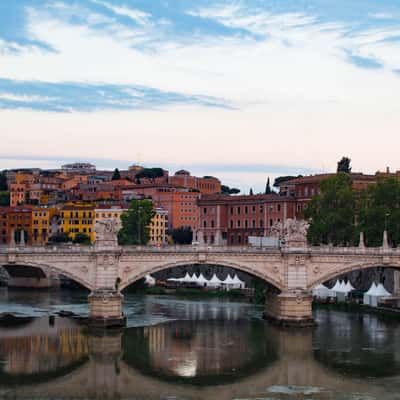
{"type": "Point", "coordinates": [355, 176]}
{"type": "Point", "coordinates": [220, 198]}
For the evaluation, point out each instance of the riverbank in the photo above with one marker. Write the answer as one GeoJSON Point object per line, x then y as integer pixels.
{"type": "Point", "coordinates": [193, 292]}
{"type": "Point", "coordinates": [390, 313]}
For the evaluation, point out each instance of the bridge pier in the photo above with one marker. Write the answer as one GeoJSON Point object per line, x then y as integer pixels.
{"type": "Point", "coordinates": [106, 308]}
{"type": "Point", "coordinates": [289, 308]}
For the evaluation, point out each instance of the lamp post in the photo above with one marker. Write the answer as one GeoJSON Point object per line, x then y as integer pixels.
{"type": "Point", "coordinates": [139, 227]}
{"type": "Point", "coordinates": [386, 218]}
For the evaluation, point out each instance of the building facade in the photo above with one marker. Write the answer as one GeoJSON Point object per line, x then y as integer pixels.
{"type": "Point", "coordinates": [230, 220]}
{"type": "Point", "coordinates": [78, 218]}
{"type": "Point", "coordinates": [159, 227]}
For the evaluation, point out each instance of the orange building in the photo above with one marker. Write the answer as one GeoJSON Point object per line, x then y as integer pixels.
{"type": "Point", "coordinates": [181, 207]}
{"type": "Point", "coordinates": [205, 185]}
{"type": "Point", "coordinates": [18, 194]}
{"type": "Point", "coordinates": [18, 219]}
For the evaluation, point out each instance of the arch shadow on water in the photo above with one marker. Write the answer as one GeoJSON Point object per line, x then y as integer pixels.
{"type": "Point", "coordinates": [202, 352]}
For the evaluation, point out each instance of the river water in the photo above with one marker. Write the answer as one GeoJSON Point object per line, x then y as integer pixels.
{"type": "Point", "coordinates": [176, 349]}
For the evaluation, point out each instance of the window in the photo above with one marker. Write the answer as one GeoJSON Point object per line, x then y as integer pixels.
{"type": "Point", "coordinates": [231, 210]}
{"type": "Point", "coordinates": [238, 210]}
{"type": "Point", "coordinates": [205, 210]}
{"type": "Point", "coordinates": [261, 209]}
{"type": "Point", "coordinates": [253, 209]}
{"type": "Point", "coordinates": [279, 207]}
{"type": "Point", "coordinates": [212, 223]}
{"type": "Point", "coordinates": [271, 222]}
{"type": "Point", "coordinates": [205, 224]}
{"type": "Point", "coordinates": [231, 223]}
{"type": "Point", "coordinates": [246, 210]}
{"type": "Point", "coordinates": [246, 223]}
{"type": "Point", "coordinates": [254, 223]}
{"type": "Point", "coordinates": [238, 223]}
{"type": "Point", "coordinates": [261, 223]}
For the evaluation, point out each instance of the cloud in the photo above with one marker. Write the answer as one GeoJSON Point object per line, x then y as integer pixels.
{"type": "Point", "coordinates": [82, 97]}
{"type": "Point", "coordinates": [140, 17]}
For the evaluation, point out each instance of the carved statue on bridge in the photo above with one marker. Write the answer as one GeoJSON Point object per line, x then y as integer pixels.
{"type": "Point", "coordinates": [106, 233]}
{"type": "Point", "coordinates": [292, 232]}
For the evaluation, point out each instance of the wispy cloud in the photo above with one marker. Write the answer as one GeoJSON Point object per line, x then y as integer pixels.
{"type": "Point", "coordinates": [69, 97]}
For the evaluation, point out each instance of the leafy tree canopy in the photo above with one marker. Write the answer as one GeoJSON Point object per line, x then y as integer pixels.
{"type": "Point", "coordinates": [3, 181]}
{"type": "Point", "coordinates": [82, 238]}
{"type": "Point", "coordinates": [60, 237]}
{"type": "Point", "coordinates": [149, 173]}
{"type": "Point", "coordinates": [380, 210]}
{"type": "Point", "coordinates": [281, 179]}
{"type": "Point", "coordinates": [116, 175]}
{"type": "Point", "coordinates": [227, 190]}
{"type": "Point", "coordinates": [344, 165]}
{"type": "Point", "coordinates": [332, 213]}
{"type": "Point", "coordinates": [182, 235]}
{"type": "Point", "coordinates": [268, 187]}
{"type": "Point", "coordinates": [4, 198]}
{"type": "Point", "coordinates": [135, 223]}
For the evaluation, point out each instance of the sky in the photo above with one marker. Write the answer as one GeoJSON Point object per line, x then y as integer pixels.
{"type": "Point", "coordinates": [241, 89]}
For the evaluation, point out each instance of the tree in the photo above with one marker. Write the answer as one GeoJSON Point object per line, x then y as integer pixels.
{"type": "Point", "coordinates": [281, 179]}
{"type": "Point", "coordinates": [135, 223]}
{"type": "Point", "coordinates": [82, 238]}
{"type": "Point", "coordinates": [268, 187]}
{"type": "Point", "coordinates": [182, 235]}
{"type": "Point", "coordinates": [149, 173]}
{"type": "Point", "coordinates": [251, 192]}
{"type": "Point", "coordinates": [4, 198]}
{"type": "Point", "coordinates": [332, 213]}
{"type": "Point", "coordinates": [227, 190]}
{"type": "Point", "coordinates": [59, 237]}
{"type": "Point", "coordinates": [3, 182]}
{"type": "Point", "coordinates": [380, 210]}
{"type": "Point", "coordinates": [344, 165]}
{"type": "Point", "coordinates": [116, 175]}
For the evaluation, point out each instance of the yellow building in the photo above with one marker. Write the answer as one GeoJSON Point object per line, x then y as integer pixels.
{"type": "Point", "coordinates": [78, 218]}
{"type": "Point", "coordinates": [40, 226]}
{"type": "Point", "coordinates": [158, 227]}
{"type": "Point", "coordinates": [113, 213]}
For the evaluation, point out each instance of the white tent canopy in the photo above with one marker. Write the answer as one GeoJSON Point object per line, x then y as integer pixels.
{"type": "Point", "coordinates": [337, 287]}
{"type": "Point", "coordinates": [323, 292]}
{"type": "Point", "coordinates": [240, 284]}
{"type": "Point", "coordinates": [381, 291]}
{"type": "Point", "coordinates": [375, 292]}
{"type": "Point", "coordinates": [214, 281]}
{"type": "Point", "coordinates": [149, 280]}
{"type": "Point", "coordinates": [201, 280]}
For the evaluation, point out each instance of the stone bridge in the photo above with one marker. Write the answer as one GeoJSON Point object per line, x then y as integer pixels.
{"type": "Point", "coordinates": [292, 271]}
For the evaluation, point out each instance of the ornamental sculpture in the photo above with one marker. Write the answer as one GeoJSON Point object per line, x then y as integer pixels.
{"type": "Point", "coordinates": [292, 232]}
{"type": "Point", "coordinates": [106, 233]}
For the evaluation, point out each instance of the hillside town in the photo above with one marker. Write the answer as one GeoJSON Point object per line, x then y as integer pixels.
{"type": "Point", "coordinates": [47, 204]}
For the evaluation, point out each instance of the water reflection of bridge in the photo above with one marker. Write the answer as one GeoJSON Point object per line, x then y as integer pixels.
{"type": "Point", "coordinates": [169, 358]}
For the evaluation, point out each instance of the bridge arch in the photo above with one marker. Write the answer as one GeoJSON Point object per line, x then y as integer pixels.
{"type": "Point", "coordinates": [264, 275]}
{"type": "Point", "coordinates": [345, 269]}
{"type": "Point", "coordinates": [54, 268]}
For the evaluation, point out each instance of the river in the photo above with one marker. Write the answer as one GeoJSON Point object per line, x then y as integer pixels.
{"type": "Point", "coordinates": [176, 349]}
